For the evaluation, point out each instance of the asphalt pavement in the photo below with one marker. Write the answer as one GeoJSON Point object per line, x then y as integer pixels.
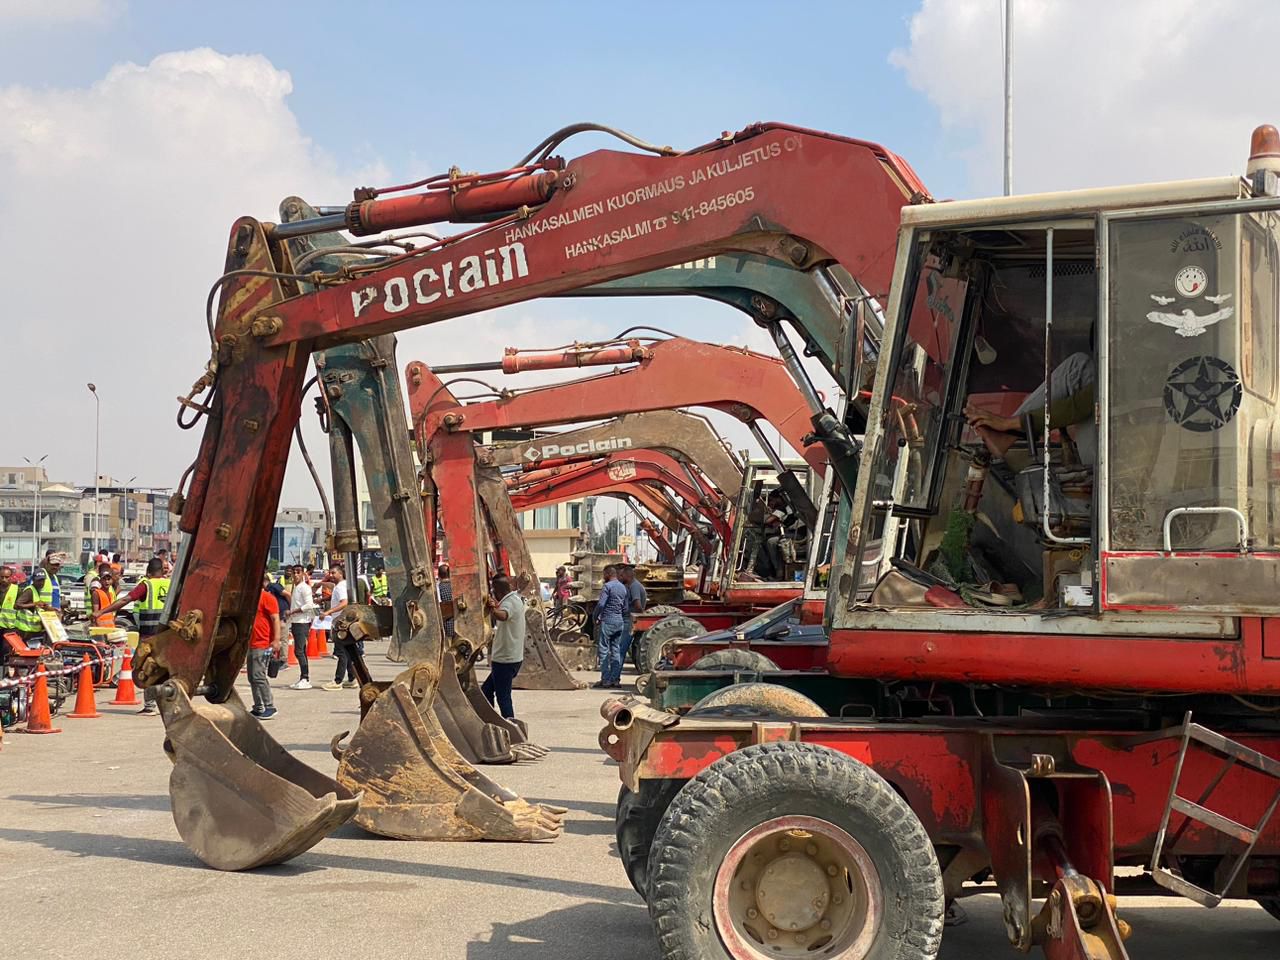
{"type": "Point", "coordinates": [92, 866]}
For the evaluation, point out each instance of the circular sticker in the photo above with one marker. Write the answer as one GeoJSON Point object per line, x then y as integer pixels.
{"type": "Point", "coordinates": [1202, 394]}
{"type": "Point", "coordinates": [1190, 281]}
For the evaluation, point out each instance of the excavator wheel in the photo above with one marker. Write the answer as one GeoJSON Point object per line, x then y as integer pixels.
{"type": "Point", "coordinates": [637, 643]}
{"type": "Point", "coordinates": [755, 700]}
{"type": "Point", "coordinates": [735, 660]}
{"type": "Point", "coordinates": [676, 626]}
{"type": "Point", "coordinates": [803, 833]}
{"type": "Point", "coordinates": [636, 820]}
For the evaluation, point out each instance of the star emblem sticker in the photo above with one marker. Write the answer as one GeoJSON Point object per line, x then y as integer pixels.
{"type": "Point", "coordinates": [1202, 394]}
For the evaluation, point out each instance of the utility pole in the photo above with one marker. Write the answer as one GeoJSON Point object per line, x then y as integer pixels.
{"type": "Point", "coordinates": [127, 503]}
{"type": "Point", "coordinates": [35, 512]}
{"type": "Point", "coordinates": [97, 493]}
{"type": "Point", "coordinates": [1008, 97]}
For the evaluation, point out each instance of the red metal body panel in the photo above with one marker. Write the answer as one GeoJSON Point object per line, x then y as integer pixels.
{"type": "Point", "coordinates": [938, 770]}
{"type": "Point", "coordinates": [1062, 662]}
{"type": "Point", "coordinates": [798, 655]}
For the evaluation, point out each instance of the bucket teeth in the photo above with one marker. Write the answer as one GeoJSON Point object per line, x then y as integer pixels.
{"type": "Point", "coordinates": [529, 751]}
{"type": "Point", "coordinates": [416, 786]}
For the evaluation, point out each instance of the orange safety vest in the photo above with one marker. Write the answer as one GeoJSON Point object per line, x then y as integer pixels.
{"type": "Point", "coordinates": [104, 599]}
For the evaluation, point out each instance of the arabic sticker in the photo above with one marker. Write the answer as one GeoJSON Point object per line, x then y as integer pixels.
{"type": "Point", "coordinates": [1190, 281]}
{"type": "Point", "coordinates": [1202, 394]}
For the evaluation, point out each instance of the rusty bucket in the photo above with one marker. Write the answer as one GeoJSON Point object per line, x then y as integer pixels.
{"type": "Point", "coordinates": [240, 800]}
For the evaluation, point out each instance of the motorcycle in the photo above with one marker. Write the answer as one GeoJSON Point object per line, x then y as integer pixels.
{"type": "Point", "coordinates": [19, 660]}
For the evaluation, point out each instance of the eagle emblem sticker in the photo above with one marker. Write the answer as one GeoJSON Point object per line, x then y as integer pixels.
{"type": "Point", "coordinates": [1202, 394]}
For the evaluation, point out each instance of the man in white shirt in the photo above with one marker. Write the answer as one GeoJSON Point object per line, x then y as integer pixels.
{"type": "Point", "coordinates": [302, 610]}
{"type": "Point", "coordinates": [338, 603]}
{"type": "Point", "coordinates": [506, 653]}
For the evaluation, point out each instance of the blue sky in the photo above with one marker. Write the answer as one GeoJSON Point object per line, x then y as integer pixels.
{"type": "Point", "coordinates": [422, 84]}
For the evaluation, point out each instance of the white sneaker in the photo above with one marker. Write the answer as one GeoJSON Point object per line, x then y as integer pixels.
{"type": "Point", "coordinates": [332, 685]}
{"type": "Point", "coordinates": [300, 685]}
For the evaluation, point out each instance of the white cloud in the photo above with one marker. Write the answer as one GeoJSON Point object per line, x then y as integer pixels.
{"type": "Point", "coordinates": [118, 201]}
{"type": "Point", "coordinates": [1104, 92]}
{"type": "Point", "coordinates": [59, 11]}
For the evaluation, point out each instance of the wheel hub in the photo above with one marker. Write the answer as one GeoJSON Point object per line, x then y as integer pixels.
{"type": "Point", "coordinates": [797, 887]}
{"type": "Point", "coordinates": [792, 893]}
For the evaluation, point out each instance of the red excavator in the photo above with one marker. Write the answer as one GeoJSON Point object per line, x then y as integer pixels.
{"type": "Point", "coordinates": [666, 373]}
{"type": "Point", "coordinates": [1061, 679]}
{"type": "Point", "coordinates": [544, 227]}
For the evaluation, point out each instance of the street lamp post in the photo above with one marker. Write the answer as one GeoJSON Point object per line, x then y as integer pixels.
{"type": "Point", "coordinates": [127, 529]}
{"type": "Point", "coordinates": [35, 511]}
{"type": "Point", "coordinates": [97, 422]}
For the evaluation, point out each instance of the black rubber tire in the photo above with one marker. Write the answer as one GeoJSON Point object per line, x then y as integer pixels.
{"type": "Point", "coordinates": [734, 659]}
{"type": "Point", "coordinates": [648, 646]}
{"type": "Point", "coordinates": [755, 784]}
{"type": "Point", "coordinates": [636, 820]}
{"type": "Point", "coordinates": [756, 700]}
{"type": "Point", "coordinates": [1271, 905]}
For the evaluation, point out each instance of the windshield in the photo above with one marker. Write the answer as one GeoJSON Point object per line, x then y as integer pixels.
{"type": "Point", "coordinates": [783, 611]}
{"type": "Point", "coordinates": [915, 415]}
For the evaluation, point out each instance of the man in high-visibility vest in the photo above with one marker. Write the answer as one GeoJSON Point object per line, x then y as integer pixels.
{"type": "Point", "coordinates": [148, 599]}
{"type": "Point", "coordinates": [378, 583]}
{"type": "Point", "coordinates": [8, 597]}
{"type": "Point", "coordinates": [102, 595]}
{"type": "Point", "coordinates": [42, 592]}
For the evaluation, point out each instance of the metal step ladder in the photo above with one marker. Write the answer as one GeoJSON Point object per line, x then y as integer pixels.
{"type": "Point", "coordinates": [1198, 811]}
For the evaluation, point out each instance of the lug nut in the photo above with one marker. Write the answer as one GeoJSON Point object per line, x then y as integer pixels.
{"type": "Point", "coordinates": [831, 870]}
{"type": "Point", "coordinates": [784, 844]}
{"type": "Point", "coordinates": [837, 899]}
{"type": "Point", "coordinates": [772, 934]}
{"type": "Point", "coordinates": [799, 938]}
{"type": "Point", "coordinates": [752, 913]}
{"type": "Point", "coordinates": [811, 849]}
{"type": "Point", "coordinates": [825, 924]}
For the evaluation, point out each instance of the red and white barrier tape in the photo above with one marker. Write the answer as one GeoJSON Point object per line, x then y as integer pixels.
{"type": "Point", "coordinates": [29, 680]}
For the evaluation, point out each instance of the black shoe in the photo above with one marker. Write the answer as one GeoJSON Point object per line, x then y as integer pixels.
{"type": "Point", "coordinates": [617, 686]}
{"type": "Point", "coordinates": [600, 685]}
{"type": "Point", "coordinates": [148, 710]}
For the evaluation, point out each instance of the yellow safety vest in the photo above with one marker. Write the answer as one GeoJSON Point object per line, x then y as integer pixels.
{"type": "Point", "coordinates": [151, 607]}
{"type": "Point", "coordinates": [29, 620]}
{"type": "Point", "coordinates": [8, 615]}
{"type": "Point", "coordinates": [379, 581]}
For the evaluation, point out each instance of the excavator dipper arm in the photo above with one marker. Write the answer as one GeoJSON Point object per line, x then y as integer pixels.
{"type": "Point", "coordinates": [685, 436]}
{"type": "Point", "coordinates": [784, 192]}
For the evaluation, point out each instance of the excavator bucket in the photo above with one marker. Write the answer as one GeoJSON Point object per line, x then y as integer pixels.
{"type": "Point", "coordinates": [577, 651]}
{"type": "Point", "coordinates": [415, 786]}
{"type": "Point", "coordinates": [543, 667]}
{"type": "Point", "coordinates": [240, 800]}
{"type": "Point", "coordinates": [474, 733]}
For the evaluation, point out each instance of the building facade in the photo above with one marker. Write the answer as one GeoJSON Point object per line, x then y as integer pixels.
{"type": "Point", "coordinates": [552, 534]}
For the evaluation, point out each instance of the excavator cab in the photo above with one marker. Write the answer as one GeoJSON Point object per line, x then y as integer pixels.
{"type": "Point", "coordinates": [1077, 412]}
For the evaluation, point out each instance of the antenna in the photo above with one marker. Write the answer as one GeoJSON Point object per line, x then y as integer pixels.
{"type": "Point", "coordinates": [1008, 96]}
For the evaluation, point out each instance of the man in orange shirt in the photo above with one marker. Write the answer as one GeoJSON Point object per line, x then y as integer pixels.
{"type": "Point", "coordinates": [267, 639]}
{"type": "Point", "coordinates": [103, 595]}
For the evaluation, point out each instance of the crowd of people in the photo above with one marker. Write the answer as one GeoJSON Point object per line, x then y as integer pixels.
{"type": "Point", "coordinates": [621, 597]}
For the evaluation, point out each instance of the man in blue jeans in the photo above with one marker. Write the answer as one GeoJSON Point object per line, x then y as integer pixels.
{"type": "Point", "coordinates": [610, 610]}
{"type": "Point", "coordinates": [637, 600]}
{"type": "Point", "coordinates": [506, 653]}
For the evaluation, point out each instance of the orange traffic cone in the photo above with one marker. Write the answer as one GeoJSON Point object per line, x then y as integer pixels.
{"type": "Point", "coordinates": [293, 657]}
{"type": "Point", "coordinates": [39, 719]}
{"type": "Point", "coordinates": [313, 643]}
{"type": "Point", "coordinates": [85, 709]}
{"type": "Point", "coordinates": [126, 692]}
